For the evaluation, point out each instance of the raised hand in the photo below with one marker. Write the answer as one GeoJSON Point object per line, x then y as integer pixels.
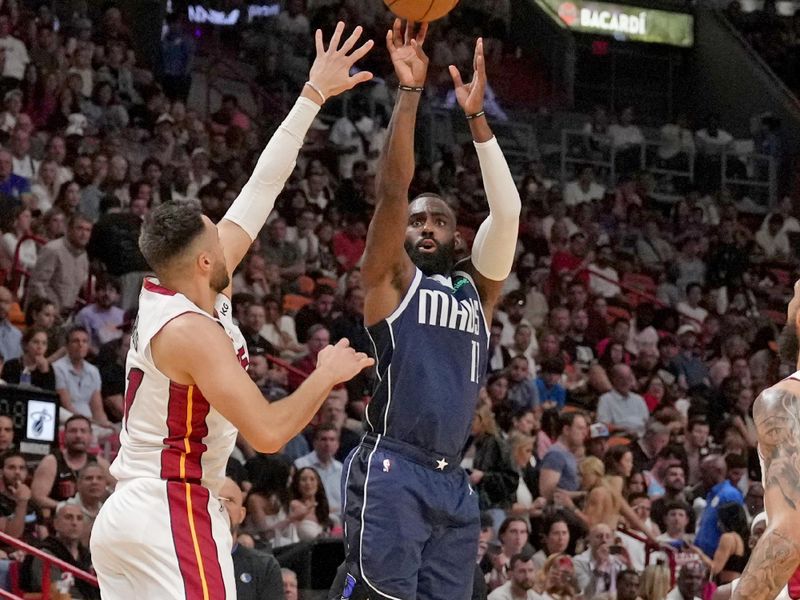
{"type": "Point", "coordinates": [342, 361]}
{"type": "Point", "coordinates": [405, 49]}
{"type": "Point", "coordinates": [330, 72]}
{"type": "Point", "coordinates": [470, 95]}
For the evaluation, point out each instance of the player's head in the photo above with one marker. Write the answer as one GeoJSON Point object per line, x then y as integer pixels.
{"type": "Point", "coordinates": [788, 345]}
{"type": "Point", "coordinates": [431, 234]}
{"type": "Point", "coordinates": [178, 240]}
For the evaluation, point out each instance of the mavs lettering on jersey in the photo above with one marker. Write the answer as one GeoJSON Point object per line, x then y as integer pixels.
{"type": "Point", "coordinates": [431, 356]}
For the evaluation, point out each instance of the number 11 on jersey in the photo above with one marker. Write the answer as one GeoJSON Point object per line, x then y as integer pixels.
{"type": "Point", "coordinates": [474, 376]}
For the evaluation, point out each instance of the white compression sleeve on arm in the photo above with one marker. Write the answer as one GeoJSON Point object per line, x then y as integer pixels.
{"type": "Point", "coordinates": [257, 198]}
{"type": "Point", "coordinates": [496, 241]}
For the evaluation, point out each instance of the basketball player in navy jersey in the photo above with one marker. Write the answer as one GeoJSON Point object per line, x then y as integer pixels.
{"type": "Point", "coordinates": [411, 516]}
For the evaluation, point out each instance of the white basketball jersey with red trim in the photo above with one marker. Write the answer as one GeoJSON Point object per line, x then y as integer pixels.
{"type": "Point", "coordinates": [169, 430]}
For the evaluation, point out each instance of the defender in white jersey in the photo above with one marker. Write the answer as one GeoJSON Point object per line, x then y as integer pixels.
{"type": "Point", "coordinates": [164, 534]}
{"type": "Point", "coordinates": [773, 570]}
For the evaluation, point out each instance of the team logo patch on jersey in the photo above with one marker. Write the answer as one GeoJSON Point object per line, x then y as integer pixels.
{"type": "Point", "coordinates": [459, 283]}
{"type": "Point", "coordinates": [349, 586]}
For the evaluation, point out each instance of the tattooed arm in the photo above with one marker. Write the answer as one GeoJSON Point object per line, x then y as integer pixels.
{"type": "Point", "coordinates": [775, 558]}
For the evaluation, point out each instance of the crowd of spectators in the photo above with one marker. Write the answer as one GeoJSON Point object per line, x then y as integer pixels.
{"type": "Point", "coordinates": [623, 362]}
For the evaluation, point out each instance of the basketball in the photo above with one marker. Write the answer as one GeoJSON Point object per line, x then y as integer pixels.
{"type": "Point", "coordinates": [420, 10]}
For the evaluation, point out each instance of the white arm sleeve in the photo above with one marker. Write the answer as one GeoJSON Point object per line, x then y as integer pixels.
{"type": "Point", "coordinates": [496, 241]}
{"type": "Point", "coordinates": [257, 198]}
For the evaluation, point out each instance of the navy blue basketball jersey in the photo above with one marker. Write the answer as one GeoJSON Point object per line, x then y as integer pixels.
{"type": "Point", "coordinates": [431, 356]}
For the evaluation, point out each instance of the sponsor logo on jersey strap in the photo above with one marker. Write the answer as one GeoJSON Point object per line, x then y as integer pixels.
{"type": "Point", "coordinates": [440, 309]}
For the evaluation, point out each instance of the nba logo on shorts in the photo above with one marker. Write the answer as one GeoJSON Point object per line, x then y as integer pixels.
{"type": "Point", "coordinates": [349, 586]}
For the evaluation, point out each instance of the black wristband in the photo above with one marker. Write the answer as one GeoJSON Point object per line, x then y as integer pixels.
{"type": "Point", "coordinates": [410, 88]}
{"type": "Point", "coordinates": [480, 113]}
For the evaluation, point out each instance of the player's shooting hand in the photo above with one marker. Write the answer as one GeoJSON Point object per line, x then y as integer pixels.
{"type": "Point", "coordinates": [342, 362]}
{"type": "Point", "coordinates": [331, 69]}
{"type": "Point", "coordinates": [405, 49]}
{"type": "Point", "coordinates": [470, 95]}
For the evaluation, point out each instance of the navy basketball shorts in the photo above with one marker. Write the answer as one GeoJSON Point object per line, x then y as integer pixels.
{"type": "Point", "coordinates": [411, 524]}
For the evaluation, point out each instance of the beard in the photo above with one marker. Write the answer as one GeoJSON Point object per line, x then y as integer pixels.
{"type": "Point", "coordinates": [788, 344]}
{"type": "Point", "coordinates": [439, 262]}
{"type": "Point", "coordinates": [220, 278]}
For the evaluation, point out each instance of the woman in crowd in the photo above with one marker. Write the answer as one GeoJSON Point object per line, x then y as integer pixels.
{"type": "Point", "coordinates": [556, 581]}
{"type": "Point", "coordinates": [309, 513]}
{"type": "Point", "coordinates": [733, 550]}
{"type": "Point", "coordinates": [279, 329]}
{"type": "Point", "coordinates": [492, 472]}
{"type": "Point", "coordinates": [548, 433]}
{"type": "Point", "coordinates": [655, 583]}
{"type": "Point", "coordinates": [42, 313]}
{"type": "Point", "coordinates": [618, 463]}
{"type": "Point", "coordinates": [555, 539]}
{"type": "Point", "coordinates": [20, 227]}
{"type": "Point", "coordinates": [45, 187]}
{"type": "Point", "coordinates": [32, 367]}
{"type": "Point", "coordinates": [655, 393]}
{"type": "Point", "coordinates": [527, 502]}
{"type": "Point", "coordinates": [69, 197]}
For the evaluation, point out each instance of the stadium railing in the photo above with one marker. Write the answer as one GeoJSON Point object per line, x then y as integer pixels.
{"type": "Point", "coordinates": [48, 561]}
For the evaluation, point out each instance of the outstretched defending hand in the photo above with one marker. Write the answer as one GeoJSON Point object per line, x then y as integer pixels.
{"type": "Point", "coordinates": [409, 59]}
{"type": "Point", "coordinates": [331, 69]}
{"type": "Point", "coordinates": [342, 361]}
{"type": "Point", "coordinates": [470, 95]}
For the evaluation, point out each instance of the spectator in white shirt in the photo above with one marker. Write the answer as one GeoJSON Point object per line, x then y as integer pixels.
{"type": "Point", "coordinates": [772, 240]}
{"type": "Point", "coordinates": [16, 52]}
{"type": "Point", "coordinates": [711, 140]}
{"type": "Point", "coordinates": [621, 409]}
{"type": "Point", "coordinates": [521, 576]}
{"type": "Point", "coordinates": [624, 133]}
{"type": "Point", "coordinates": [321, 459]}
{"type": "Point", "coordinates": [583, 189]}
{"type": "Point", "coordinates": [23, 163]}
{"type": "Point", "coordinates": [677, 144]}
{"type": "Point", "coordinates": [601, 286]}
{"type": "Point", "coordinates": [690, 310]}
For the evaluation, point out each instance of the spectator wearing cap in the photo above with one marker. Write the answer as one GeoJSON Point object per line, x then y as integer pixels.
{"type": "Point", "coordinates": [645, 449]}
{"type": "Point", "coordinates": [103, 318]}
{"type": "Point", "coordinates": [548, 385]}
{"type": "Point", "coordinates": [559, 465]}
{"type": "Point", "coordinates": [62, 267]}
{"type": "Point", "coordinates": [597, 444]}
{"type": "Point", "coordinates": [115, 243]}
{"type": "Point", "coordinates": [690, 368]}
{"type": "Point", "coordinates": [621, 409]}
{"type": "Point", "coordinates": [512, 316]}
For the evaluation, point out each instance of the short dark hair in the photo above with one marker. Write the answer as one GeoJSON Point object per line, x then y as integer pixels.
{"type": "Point", "coordinates": [566, 419]}
{"type": "Point", "coordinates": [167, 231]}
{"type": "Point", "coordinates": [76, 328]}
{"type": "Point", "coordinates": [12, 453]}
{"type": "Point", "coordinates": [77, 418]}
{"type": "Point", "coordinates": [554, 365]}
{"type": "Point", "coordinates": [519, 557]}
{"type": "Point", "coordinates": [627, 573]}
{"type": "Point", "coordinates": [323, 427]}
{"type": "Point", "coordinates": [677, 505]}
{"type": "Point", "coordinates": [323, 290]}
